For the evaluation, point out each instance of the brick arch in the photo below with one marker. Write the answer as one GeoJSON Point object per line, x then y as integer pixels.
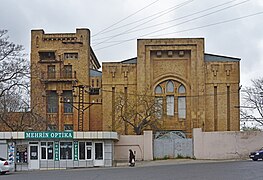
{"type": "Point", "coordinates": [173, 77]}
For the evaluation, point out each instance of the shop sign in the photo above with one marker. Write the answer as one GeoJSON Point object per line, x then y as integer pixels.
{"type": "Point", "coordinates": [56, 151]}
{"type": "Point", "coordinates": [76, 149]}
{"type": "Point", "coordinates": [49, 135]}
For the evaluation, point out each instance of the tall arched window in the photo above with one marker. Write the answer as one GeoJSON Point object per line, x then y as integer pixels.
{"type": "Point", "coordinates": [181, 102]}
{"type": "Point", "coordinates": [171, 95]}
{"type": "Point", "coordinates": [159, 101]}
{"type": "Point", "coordinates": [170, 98]}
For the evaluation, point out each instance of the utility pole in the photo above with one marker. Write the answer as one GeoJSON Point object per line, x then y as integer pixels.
{"type": "Point", "coordinates": [80, 105]}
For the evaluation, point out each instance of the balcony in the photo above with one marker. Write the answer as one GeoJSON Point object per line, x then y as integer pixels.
{"type": "Point", "coordinates": [48, 57]}
{"type": "Point", "coordinates": [58, 76]}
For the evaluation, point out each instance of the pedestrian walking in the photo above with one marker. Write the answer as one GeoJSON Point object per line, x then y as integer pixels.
{"type": "Point", "coordinates": [131, 158]}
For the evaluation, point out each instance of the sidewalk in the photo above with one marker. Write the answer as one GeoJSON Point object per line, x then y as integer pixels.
{"type": "Point", "coordinates": [168, 162]}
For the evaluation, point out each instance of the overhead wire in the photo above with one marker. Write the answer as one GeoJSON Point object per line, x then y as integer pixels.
{"type": "Point", "coordinates": [154, 18]}
{"type": "Point", "coordinates": [139, 20]}
{"type": "Point", "coordinates": [179, 18]}
{"type": "Point", "coordinates": [125, 18]}
{"type": "Point", "coordinates": [186, 30]}
{"type": "Point", "coordinates": [205, 15]}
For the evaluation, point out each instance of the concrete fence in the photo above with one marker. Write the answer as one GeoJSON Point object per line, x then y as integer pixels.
{"type": "Point", "coordinates": [141, 144]}
{"type": "Point", "coordinates": [225, 145]}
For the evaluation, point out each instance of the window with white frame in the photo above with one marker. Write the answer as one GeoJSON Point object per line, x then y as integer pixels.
{"type": "Point", "coordinates": [47, 150]}
{"type": "Point", "coordinates": [85, 150]}
{"type": "Point", "coordinates": [65, 150]}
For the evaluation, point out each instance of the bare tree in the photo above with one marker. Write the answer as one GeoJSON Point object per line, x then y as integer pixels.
{"type": "Point", "coordinates": [15, 112]}
{"type": "Point", "coordinates": [17, 115]}
{"type": "Point", "coordinates": [252, 100]}
{"type": "Point", "coordinates": [14, 67]}
{"type": "Point", "coordinates": [139, 111]}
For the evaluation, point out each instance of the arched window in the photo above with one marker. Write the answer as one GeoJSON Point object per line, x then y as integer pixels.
{"type": "Point", "coordinates": [158, 90]}
{"type": "Point", "coordinates": [172, 100]}
{"type": "Point", "coordinates": [181, 89]}
{"type": "Point", "coordinates": [181, 103]}
{"type": "Point", "coordinates": [170, 87]}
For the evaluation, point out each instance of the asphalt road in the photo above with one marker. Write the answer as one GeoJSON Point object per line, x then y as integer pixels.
{"type": "Point", "coordinates": [234, 170]}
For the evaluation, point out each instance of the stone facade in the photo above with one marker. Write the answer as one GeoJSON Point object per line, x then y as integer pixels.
{"type": "Point", "coordinates": [61, 81]}
{"type": "Point", "coordinates": [196, 89]}
{"type": "Point", "coordinates": [205, 87]}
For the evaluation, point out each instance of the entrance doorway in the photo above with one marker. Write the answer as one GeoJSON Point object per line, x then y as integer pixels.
{"type": "Point", "coordinates": [99, 154]}
{"type": "Point", "coordinates": [33, 162]}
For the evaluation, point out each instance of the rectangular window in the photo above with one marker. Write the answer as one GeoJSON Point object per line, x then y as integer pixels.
{"type": "Point", "coordinates": [67, 72]}
{"type": "Point", "coordinates": [65, 150]}
{"type": "Point", "coordinates": [159, 107]}
{"type": "Point", "coordinates": [94, 91]}
{"type": "Point", "coordinates": [181, 107]}
{"type": "Point", "coordinates": [81, 150]}
{"type": "Point", "coordinates": [70, 56]}
{"type": "Point", "coordinates": [98, 151]}
{"type": "Point", "coordinates": [228, 108]}
{"type": "Point", "coordinates": [51, 71]}
{"type": "Point", "coordinates": [170, 105]}
{"type": "Point", "coordinates": [43, 150]}
{"type": "Point", "coordinates": [47, 150]}
{"type": "Point", "coordinates": [68, 100]}
{"type": "Point", "coordinates": [215, 109]}
{"type": "Point", "coordinates": [85, 150]}
{"type": "Point", "coordinates": [47, 56]}
{"type": "Point", "coordinates": [50, 150]}
{"type": "Point", "coordinates": [51, 127]}
{"type": "Point", "coordinates": [88, 150]}
{"type": "Point", "coordinates": [68, 127]}
{"type": "Point", "coordinates": [52, 102]}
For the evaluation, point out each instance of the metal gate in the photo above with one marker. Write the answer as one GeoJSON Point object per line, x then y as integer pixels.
{"type": "Point", "coordinates": [172, 144]}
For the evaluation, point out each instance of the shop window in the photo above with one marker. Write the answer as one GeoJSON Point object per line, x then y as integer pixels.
{"type": "Point", "coordinates": [88, 150]}
{"type": "Point", "coordinates": [81, 150]}
{"type": "Point", "coordinates": [85, 150]}
{"type": "Point", "coordinates": [21, 153]}
{"type": "Point", "coordinates": [98, 151]}
{"type": "Point", "coordinates": [65, 150]}
{"type": "Point", "coordinates": [47, 150]}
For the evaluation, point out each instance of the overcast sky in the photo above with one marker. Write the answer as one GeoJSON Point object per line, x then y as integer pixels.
{"type": "Point", "coordinates": [230, 27]}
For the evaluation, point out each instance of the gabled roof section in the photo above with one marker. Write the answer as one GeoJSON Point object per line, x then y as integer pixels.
{"type": "Point", "coordinates": [214, 57]}
{"type": "Point", "coordinates": [130, 61]}
{"type": "Point", "coordinates": [95, 73]}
